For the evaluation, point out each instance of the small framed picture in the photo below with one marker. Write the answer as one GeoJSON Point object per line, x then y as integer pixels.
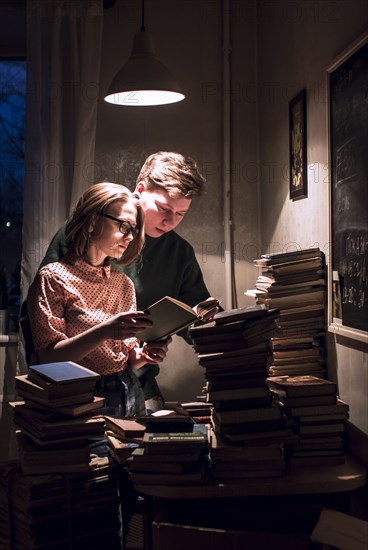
{"type": "Point", "coordinates": [298, 146]}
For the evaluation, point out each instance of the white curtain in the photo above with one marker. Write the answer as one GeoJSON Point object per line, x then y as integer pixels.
{"type": "Point", "coordinates": [63, 65]}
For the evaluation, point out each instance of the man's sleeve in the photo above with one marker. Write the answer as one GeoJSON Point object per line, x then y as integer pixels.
{"type": "Point", "coordinates": [57, 248]}
{"type": "Point", "coordinates": [193, 288]}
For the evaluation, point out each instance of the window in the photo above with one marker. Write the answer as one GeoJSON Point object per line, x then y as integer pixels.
{"type": "Point", "coordinates": [12, 115]}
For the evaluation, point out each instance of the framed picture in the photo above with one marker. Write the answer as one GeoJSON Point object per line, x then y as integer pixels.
{"type": "Point", "coordinates": [298, 146]}
{"type": "Point", "coordinates": [347, 84]}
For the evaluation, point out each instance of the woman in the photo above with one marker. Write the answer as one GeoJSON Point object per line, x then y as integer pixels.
{"type": "Point", "coordinates": [83, 310]}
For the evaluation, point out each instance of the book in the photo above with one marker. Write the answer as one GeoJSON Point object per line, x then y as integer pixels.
{"type": "Point", "coordinates": [308, 401]}
{"type": "Point", "coordinates": [77, 409]}
{"type": "Point", "coordinates": [297, 386]}
{"type": "Point", "coordinates": [236, 373]}
{"type": "Point", "coordinates": [167, 423]}
{"type": "Point", "coordinates": [156, 440]}
{"type": "Point", "coordinates": [294, 300]}
{"type": "Point", "coordinates": [243, 360]}
{"type": "Point", "coordinates": [169, 316]}
{"type": "Point", "coordinates": [242, 394]}
{"type": "Point", "coordinates": [53, 429]}
{"type": "Point", "coordinates": [318, 418]}
{"type": "Point", "coordinates": [319, 461]}
{"type": "Point", "coordinates": [340, 407]}
{"type": "Point", "coordinates": [236, 369]}
{"type": "Point", "coordinates": [233, 383]}
{"type": "Point", "coordinates": [120, 450]}
{"type": "Point", "coordinates": [48, 461]}
{"type": "Point", "coordinates": [294, 266]}
{"type": "Point", "coordinates": [275, 257]}
{"type": "Point", "coordinates": [324, 428]}
{"type": "Point", "coordinates": [320, 443]}
{"type": "Point", "coordinates": [284, 279]}
{"type": "Point", "coordinates": [281, 436]}
{"type": "Point", "coordinates": [49, 396]}
{"type": "Point", "coordinates": [221, 356]}
{"type": "Point", "coordinates": [247, 327]}
{"type": "Point", "coordinates": [63, 372]}
{"type": "Point", "coordinates": [340, 530]}
{"type": "Point", "coordinates": [240, 314]}
{"type": "Point", "coordinates": [273, 412]}
{"type": "Point", "coordinates": [259, 426]}
{"type": "Point", "coordinates": [223, 451]}
{"type": "Point", "coordinates": [274, 287]}
{"type": "Point", "coordinates": [297, 353]}
{"type": "Point", "coordinates": [57, 443]}
{"type": "Point", "coordinates": [126, 428]}
{"type": "Point", "coordinates": [80, 386]}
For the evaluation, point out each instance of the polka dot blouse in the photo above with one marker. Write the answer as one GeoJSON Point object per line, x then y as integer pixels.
{"type": "Point", "coordinates": [68, 297]}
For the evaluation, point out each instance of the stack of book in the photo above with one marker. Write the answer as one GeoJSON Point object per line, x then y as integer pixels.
{"type": "Point", "coordinates": [231, 461]}
{"type": "Point", "coordinates": [56, 419]}
{"type": "Point", "coordinates": [172, 458]}
{"type": "Point", "coordinates": [236, 370]}
{"type": "Point", "coordinates": [295, 283]}
{"type": "Point", "coordinates": [58, 511]}
{"type": "Point", "coordinates": [199, 410]}
{"type": "Point", "coordinates": [124, 435]}
{"type": "Point", "coordinates": [318, 416]}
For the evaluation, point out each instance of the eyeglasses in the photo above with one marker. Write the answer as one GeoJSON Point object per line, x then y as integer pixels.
{"type": "Point", "coordinates": [125, 227]}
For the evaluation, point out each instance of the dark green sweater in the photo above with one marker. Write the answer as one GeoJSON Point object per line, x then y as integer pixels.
{"type": "Point", "coordinates": [167, 267]}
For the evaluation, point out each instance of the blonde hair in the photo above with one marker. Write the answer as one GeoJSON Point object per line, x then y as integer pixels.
{"type": "Point", "coordinates": [173, 173]}
{"type": "Point", "coordinates": [85, 222]}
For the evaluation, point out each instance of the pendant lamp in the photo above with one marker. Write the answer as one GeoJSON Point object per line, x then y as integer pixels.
{"type": "Point", "coordinates": [143, 80]}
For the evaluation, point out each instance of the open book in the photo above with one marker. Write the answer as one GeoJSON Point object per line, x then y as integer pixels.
{"type": "Point", "coordinates": [169, 316]}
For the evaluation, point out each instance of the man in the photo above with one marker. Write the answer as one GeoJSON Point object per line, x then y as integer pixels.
{"type": "Point", "coordinates": [166, 185]}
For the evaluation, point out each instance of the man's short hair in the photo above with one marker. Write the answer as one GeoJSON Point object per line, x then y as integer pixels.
{"type": "Point", "coordinates": [179, 176]}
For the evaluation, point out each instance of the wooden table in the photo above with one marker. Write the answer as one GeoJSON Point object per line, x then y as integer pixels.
{"type": "Point", "coordinates": [301, 492]}
{"type": "Point", "coordinates": [300, 480]}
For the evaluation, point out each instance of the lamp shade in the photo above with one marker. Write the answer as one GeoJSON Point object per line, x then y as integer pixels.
{"type": "Point", "coordinates": [143, 80]}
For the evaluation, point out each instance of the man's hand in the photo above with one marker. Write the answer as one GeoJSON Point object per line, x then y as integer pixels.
{"type": "Point", "coordinates": [150, 352]}
{"type": "Point", "coordinates": [208, 315]}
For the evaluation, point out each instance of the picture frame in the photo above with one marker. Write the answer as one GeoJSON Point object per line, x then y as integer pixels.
{"type": "Point", "coordinates": [348, 192]}
{"type": "Point", "coordinates": [298, 146]}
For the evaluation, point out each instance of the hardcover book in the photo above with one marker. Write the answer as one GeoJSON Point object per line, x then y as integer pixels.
{"type": "Point", "coordinates": [243, 394]}
{"type": "Point", "coordinates": [63, 372]}
{"type": "Point", "coordinates": [126, 428]}
{"type": "Point", "coordinates": [77, 409]}
{"type": "Point", "coordinates": [240, 314]}
{"type": "Point", "coordinates": [307, 401]}
{"type": "Point", "coordinates": [281, 257]}
{"type": "Point", "coordinates": [33, 392]}
{"type": "Point", "coordinates": [169, 316]}
{"type": "Point", "coordinates": [167, 423]}
{"type": "Point", "coordinates": [55, 429]}
{"type": "Point", "coordinates": [340, 407]}
{"type": "Point", "coordinates": [297, 386]}
{"type": "Point", "coordinates": [195, 437]}
{"type": "Point", "coordinates": [273, 412]}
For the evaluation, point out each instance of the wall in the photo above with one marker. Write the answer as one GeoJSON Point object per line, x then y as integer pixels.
{"type": "Point", "coordinates": [278, 47]}
{"type": "Point", "coordinates": [297, 41]}
{"type": "Point", "coordinates": [188, 39]}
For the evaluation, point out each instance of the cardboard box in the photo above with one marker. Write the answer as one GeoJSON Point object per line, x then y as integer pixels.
{"type": "Point", "coordinates": [166, 536]}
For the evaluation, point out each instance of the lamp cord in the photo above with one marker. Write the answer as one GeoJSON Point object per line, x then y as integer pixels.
{"type": "Point", "coordinates": [143, 28]}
